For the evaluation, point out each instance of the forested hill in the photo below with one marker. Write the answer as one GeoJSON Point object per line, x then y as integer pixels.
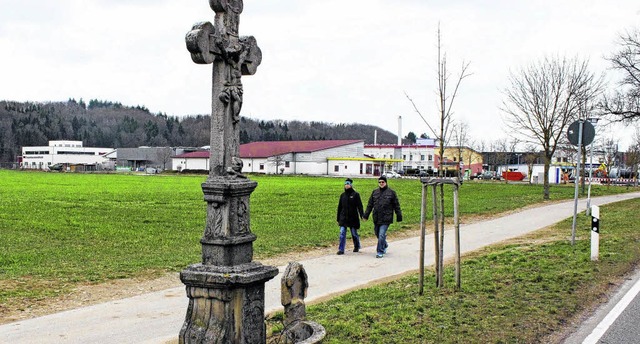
{"type": "Point", "coordinates": [111, 124]}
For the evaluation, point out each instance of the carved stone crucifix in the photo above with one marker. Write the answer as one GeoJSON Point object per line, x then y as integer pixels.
{"type": "Point", "coordinates": [232, 56]}
{"type": "Point", "coordinates": [226, 290]}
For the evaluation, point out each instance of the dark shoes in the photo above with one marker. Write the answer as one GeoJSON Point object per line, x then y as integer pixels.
{"type": "Point", "coordinates": [379, 255]}
{"type": "Point", "coordinates": [357, 249]}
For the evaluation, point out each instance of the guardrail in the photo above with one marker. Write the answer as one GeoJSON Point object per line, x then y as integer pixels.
{"type": "Point", "coordinates": [613, 181]}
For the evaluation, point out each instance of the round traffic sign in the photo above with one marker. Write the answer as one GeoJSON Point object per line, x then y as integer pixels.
{"type": "Point", "coordinates": [588, 132]}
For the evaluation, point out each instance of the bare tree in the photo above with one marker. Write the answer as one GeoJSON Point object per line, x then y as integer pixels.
{"type": "Point", "coordinates": [446, 99]}
{"type": "Point", "coordinates": [513, 144]}
{"type": "Point", "coordinates": [470, 154]}
{"type": "Point", "coordinates": [543, 99]}
{"type": "Point", "coordinates": [624, 104]}
{"type": "Point", "coordinates": [633, 155]}
{"type": "Point", "coordinates": [464, 146]}
{"type": "Point", "coordinates": [500, 147]}
{"type": "Point", "coordinates": [530, 158]}
{"type": "Point", "coordinates": [610, 148]}
{"type": "Point", "coordinates": [164, 156]}
{"type": "Point", "coordinates": [460, 133]}
{"type": "Point", "coordinates": [277, 161]}
{"type": "Point", "coordinates": [481, 146]}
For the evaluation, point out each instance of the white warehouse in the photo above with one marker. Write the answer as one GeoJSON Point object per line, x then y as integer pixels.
{"type": "Point", "coordinates": [62, 152]}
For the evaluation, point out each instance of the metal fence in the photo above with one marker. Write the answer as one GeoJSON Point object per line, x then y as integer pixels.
{"type": "Point", "coordinates": [9, 165]}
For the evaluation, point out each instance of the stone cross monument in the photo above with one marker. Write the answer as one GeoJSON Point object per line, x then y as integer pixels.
{"type": "Point", "coordinates": [226, 290]}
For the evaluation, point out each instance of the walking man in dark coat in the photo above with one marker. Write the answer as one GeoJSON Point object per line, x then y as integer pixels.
{"type": "Point", "coordinates": [349, 213]}
{"type": "Point", "coordinates": [383, 202]}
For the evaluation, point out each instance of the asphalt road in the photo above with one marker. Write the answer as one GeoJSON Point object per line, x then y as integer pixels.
{"type": "Point", "coordinates": [615, 322]}
{"type": "Point", "coordinates": [626, 328]}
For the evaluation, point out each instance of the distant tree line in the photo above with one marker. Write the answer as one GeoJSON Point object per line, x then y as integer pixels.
{"type": "Point", "coordinates": [111, 124]}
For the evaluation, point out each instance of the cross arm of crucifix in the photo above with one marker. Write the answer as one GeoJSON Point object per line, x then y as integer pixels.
{"type": "Point", "coordinates": [205, 44]}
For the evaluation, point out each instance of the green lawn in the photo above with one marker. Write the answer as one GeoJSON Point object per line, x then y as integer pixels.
{"type": "Point", "coordinates": [58, 230]}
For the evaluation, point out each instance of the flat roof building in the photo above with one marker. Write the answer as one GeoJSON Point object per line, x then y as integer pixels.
{"type": "Point", "coordinates": [65, 152]}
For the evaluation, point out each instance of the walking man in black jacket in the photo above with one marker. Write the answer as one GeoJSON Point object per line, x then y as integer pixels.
{"type": "Point", "coordinates": [349, 214]}
{"type": "Point", "coordinates": [384, 202]}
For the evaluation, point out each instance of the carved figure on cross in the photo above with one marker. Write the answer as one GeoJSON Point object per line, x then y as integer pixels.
{"type": "Point", "coordinates": [232, 56]}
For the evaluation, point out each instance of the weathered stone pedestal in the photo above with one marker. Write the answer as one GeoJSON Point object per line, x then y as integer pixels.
{"type": "Point", "coordinates": [226, 291]}
{"type": "Point", "coordinates": [226, 304]}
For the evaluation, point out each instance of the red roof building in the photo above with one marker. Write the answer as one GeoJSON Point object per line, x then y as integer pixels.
{"type": "Point", "coordinates": [266, 149]}
{"type": "Point", "coordinates": [322, 157]}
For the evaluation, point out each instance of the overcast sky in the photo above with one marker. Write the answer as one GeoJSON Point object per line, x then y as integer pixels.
{"type": "Point", "coordinates": [337, 61]}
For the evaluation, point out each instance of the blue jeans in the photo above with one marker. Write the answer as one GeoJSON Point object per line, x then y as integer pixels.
{"type": "Point", "coordinates": [343, 238]}
{"type": "Point", "coordinates": [381, 234]}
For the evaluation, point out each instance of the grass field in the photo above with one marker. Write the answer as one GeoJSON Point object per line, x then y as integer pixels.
{"type": "Point", "coordinates": [58, 230]}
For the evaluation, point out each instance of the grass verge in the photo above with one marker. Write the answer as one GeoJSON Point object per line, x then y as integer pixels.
{"type": "Point", "coordinates": [518, 292]}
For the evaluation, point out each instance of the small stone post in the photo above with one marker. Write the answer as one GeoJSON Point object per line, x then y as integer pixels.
{"type": "Point", "coordinates": [226, 290]}
{"type": "Point", "coordinates": [293, 290]}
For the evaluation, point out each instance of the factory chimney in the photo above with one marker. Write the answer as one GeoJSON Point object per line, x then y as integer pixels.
{"type": "Point", "coordinates": [399, 130]}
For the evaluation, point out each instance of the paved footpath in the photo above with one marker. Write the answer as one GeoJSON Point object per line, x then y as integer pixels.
{"type": "Point", "coordinates": [157, 317]}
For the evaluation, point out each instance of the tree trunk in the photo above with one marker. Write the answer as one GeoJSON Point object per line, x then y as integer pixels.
{"type": "Point", "coordinates": [436, 234]}
{"type": "Point", "coordinates": [441, 263]}
{"type": "Point", "coordinates": [547, 162]}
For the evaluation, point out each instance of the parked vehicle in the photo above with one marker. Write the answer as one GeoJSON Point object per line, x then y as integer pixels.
{"type": "Point", "coordinates": [419, 172]}
{"type": "Point", "coordinates": [489, 175]}
{"type": "Point", "coordinates": [56, 167]}
{"type": "Point", "coordinates": [392, 174]}
{"type": "Point", "coordinates": [412, 172]}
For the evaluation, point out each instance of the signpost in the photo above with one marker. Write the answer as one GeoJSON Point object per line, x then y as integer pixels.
{"type": "Point", "coordinates": [579, 133]}
{"type": "Point", "coordinates": [593, 121]}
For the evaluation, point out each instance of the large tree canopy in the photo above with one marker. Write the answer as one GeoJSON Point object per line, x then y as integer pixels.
{"type": "Point", "coordinates": [543, 98]}
{"type": "Point", "coordinates": [624, 103]}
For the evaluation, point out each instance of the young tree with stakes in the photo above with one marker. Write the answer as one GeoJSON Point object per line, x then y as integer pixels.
{"type": "Point", "coordinates": [445, 105]}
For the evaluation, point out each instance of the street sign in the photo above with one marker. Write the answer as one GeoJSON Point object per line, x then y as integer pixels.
{"type": "Point", "coordinates": [588, 133]}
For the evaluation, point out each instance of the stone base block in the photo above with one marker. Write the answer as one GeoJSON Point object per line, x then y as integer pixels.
{"type": "Point", "coordinates": [226, 304]}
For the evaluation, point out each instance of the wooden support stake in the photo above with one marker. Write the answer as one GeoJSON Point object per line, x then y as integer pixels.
{"type": "Point", "coordinates": [423, 206]}
{"type": "Point", "coordinates": [436, 236]}
{"type": "Point", "coordinates": [456, 223]}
